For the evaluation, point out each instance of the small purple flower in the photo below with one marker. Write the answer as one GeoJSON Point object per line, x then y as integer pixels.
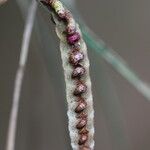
{"type": "Point", "coordinates": [78, 72]}
{"type": "Point", "coordinates": [72, 39]}
{"type": "Point", "coordinates": [75, 57]}
{"type": "Point", "coordinates": [80, 89]}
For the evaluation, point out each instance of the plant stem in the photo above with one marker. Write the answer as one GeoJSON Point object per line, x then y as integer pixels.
{"type": "Point", "coordinates": [10, 145]}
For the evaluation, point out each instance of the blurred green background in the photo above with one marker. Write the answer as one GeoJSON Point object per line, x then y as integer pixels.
{"type": "Point", "coordinates": [121, 113]}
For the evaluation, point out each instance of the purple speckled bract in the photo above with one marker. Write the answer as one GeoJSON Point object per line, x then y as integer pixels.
{"type": "Point", "coordinates": [72, 39]}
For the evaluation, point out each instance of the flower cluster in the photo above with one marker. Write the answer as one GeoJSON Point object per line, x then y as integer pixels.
{"type": "Point", "coordinates": [75, 59]}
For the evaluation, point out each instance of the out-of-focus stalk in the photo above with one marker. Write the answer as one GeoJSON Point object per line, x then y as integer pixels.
{"type": "Point", "coordinates": [10, 145]}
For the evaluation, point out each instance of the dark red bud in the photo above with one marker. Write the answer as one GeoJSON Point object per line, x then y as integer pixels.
{"type": "Point", "coordinates": [82, 115]}
{"type": "Point", "coordinates": [81, 106]}
{"type": "Point", "coordinates": [81, 123]}
{"type": "Point", "coordinates": [80, 89]}
{"type": "Point", "coordinates": [73, 38]}
{"type": "Point", "coordinates": [78, 72]}
{"type": "Point", "coordinates": [83, 138]}
{"type": "Point", "coordinates": [79, 99]}
{"type": "Point", "coordinates": [83, 131]}
{"type": "Point", "coordinates": [68, 15]}
{"type": "Point", "coordinates": [76, 46]}
{"type": "Point", "coordinates": [75, 57]}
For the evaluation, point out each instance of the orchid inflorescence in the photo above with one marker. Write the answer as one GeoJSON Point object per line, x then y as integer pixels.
{"type": "Point", "coordinates": [78, 83]}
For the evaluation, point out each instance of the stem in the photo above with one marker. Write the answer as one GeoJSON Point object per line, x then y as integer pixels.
{"type": "Point", "coordinates": [10, 145]}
